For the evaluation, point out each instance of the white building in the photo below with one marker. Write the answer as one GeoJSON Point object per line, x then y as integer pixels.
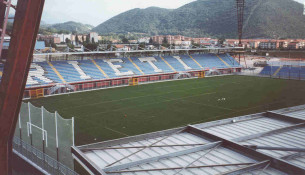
{"type": "Point", "coordinates": [144, 40]}
{"type": "Point", "coordinates": [63, 37]}
{"type": "Point", "coordinates": [93, 36]}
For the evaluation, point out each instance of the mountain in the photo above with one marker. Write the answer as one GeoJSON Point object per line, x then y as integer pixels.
{"type": "Point", "coordinates": [70, 27]}
{"type": "Point", "coordinates": [217, 18]}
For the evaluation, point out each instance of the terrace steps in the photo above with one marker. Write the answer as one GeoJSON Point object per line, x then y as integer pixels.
{"type": "Point", "coordinates": [100, 69]}
{"type": "Point", "coordinates": [57, 73]}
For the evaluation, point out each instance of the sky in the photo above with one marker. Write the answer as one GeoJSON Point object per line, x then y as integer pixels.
{"type": "Point", "coordinates": [95, 12]}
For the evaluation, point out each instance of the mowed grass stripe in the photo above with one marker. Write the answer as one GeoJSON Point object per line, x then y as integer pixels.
{"type": "Point", "coordinates": [112, 113]}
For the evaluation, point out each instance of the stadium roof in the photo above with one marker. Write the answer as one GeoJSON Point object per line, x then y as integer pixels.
{"type": "Point", "coordinates": [40, 45]}
{"type": "Point", "coordinates": [264, 143]}
{"type": "Point", "coordinates": [140, 51]}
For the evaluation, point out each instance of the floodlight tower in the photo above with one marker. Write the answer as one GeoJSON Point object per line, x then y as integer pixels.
{"type": "Point", "coordinates": [240, 4]}
{"type": "Point", "coordinates": [16, 68]}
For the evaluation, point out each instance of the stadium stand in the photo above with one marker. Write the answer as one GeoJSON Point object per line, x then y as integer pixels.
{"type": "Point", "coordinates": [45, 73]}
{"type": "Point", "coordinates": [229, 60]}
{"type": "Point", "coordinates": [210, 61]}
{"type": "Point", "coordinates": [297, 72]}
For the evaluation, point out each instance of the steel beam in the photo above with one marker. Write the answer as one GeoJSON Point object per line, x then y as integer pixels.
{"type": "Point", "coordinates": [293, 156]}
{"type": "Point", "coordinates": [275, 148]}
{"type": "Point", "coordinates": [178, 168]}
{"type": "Point", "coordinates": [284, 117]}
{"type": "Point", "coordinates": [272, 132]}
{"type": "Point", "coordinates": [25, 28]}
{"type": "Point", "coordinates": [153, 159]}
{"type": "Point", "coordinates": [131, 147]}
{"type": "Point", "coordinates": [81, 158]}
{"type": "Point", "coordinates": [106, 144]}
{"type": "Point", "coordinates": [2, 13]}
{"type": "Point", "coordinates": [134, 51]}
{"type": "Point", "coordinates": [230, 120]}
{"type": "Point", "coordinates": [247, 169]}
{"type": "Point", "coordinates": [279, 164]}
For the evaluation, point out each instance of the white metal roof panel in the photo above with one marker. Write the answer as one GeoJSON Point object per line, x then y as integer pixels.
{"type": "Point", "coordinates": [217, 156]}
{"type": "Point", "coordinates": [108, 156]}
{"type": "Point", "coordinates": [289, 139]}
{"type": "Point", "coordinates": [246, 127]}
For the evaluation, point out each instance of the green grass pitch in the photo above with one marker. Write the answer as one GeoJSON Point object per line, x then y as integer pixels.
{"type": "Point", "coordinates": [119, 112]}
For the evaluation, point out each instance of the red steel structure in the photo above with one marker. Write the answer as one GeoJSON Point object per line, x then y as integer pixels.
{"type": "Point", "coordinates": [23, 37]}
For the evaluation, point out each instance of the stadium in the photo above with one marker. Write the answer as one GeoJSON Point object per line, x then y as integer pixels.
{"type": "Point", "coordinates": [156, 112]}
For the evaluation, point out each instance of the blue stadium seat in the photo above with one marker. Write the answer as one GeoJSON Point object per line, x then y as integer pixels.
{"type": "Point", "coordinates": [144, 66]}
{"type": "Point", "coordinates": [269, 70]}
{"type": "Point", "coordinates": [49, 72]}
{"type": "Point", "coordinates": [174, 63]}
{"type": "Point", "coordinates": [67, 71]}
{"type": "Point", "coordinates": [230, 60]}
{"type": "Point", "coordinates": [209, 61]}
{"type": "Point", "coordinates": [190, 62]}
{"type": "Point", "coordinates": [169, 65]}
{"type": "Point", "coordinates": [91, 70]}
{"type": "Point", "coordinates": [162, 65]}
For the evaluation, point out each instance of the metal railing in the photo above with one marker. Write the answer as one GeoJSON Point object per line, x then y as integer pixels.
{"type": "Point", "coordinates": [42, 160]}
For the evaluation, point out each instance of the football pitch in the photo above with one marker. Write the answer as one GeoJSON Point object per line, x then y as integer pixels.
{"type": "Point", "coordinates": [119, 112]}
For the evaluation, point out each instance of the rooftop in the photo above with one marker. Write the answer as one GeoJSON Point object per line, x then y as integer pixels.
{"type": "Point", "coordinates": [264, 143]}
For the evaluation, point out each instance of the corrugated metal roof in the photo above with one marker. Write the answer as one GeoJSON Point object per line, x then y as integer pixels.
{"type": "Point", "coordinates": [218, 147]}
{"type": "Point", "coordinates": [247, 127]}
{"type": "Point", "coordinates": [294, 138]}
{"type": "Point", "coordinates": [40, 45]}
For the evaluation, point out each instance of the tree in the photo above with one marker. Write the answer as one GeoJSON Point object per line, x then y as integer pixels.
{"type": "Point", "coordinates": [151, 41]}
{"type": "Point", "coordinates": [68, 41]}
{"type": "Point", "coordinates": [125, 40]}
{"type": "Point", "coordinates": [83, 39]}
{"type": "Point", "coordinates": [76, 39]}
{"type": "Point", "coordinates": [142, 46]}
{"type": "Point", "coordinates": [165, 40]}
{"type": "Point", "coordinates": [92, 40]}
{"type": "Point", "coordinates": [221, 40]}
{"type": "Point", "coordinates": [87, 39]}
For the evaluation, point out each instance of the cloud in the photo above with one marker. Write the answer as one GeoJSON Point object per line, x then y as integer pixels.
{"type": "Point", "coordinates": [97, 11]}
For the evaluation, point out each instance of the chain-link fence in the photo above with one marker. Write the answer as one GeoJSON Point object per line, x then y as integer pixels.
{"type": "Point", "coordinates": [47, 132]}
